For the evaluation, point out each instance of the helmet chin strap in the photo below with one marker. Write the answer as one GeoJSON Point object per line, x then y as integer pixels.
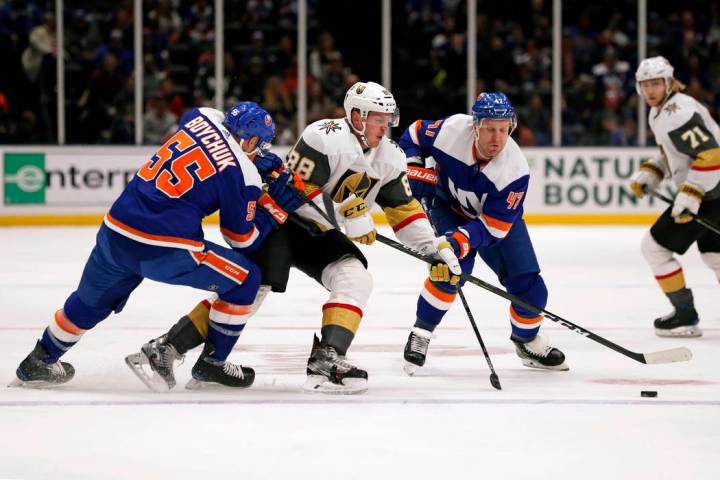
{"type": "Point", "coordinates": [360, 134]}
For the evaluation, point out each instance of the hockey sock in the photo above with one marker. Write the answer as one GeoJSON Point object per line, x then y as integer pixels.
{"type": "Point", "coordinates": [59, 336]}
{"type": "Point", "coordinates": [681, 299]}
{"type": "Point", "coordinates": [434, 301]}
{"type": "Point", "coordinates": [227, 321]}
{"type": "Point", "coordinates": [184, 335]}
{"type": "Point", "coordinates": [525, 324]}
{"type": "Point", "coordinates": [337, 337]}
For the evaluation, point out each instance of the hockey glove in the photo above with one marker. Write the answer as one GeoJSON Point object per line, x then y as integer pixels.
{"type": "Point", "coordinates": [687, 203]}
{"type": "Point", "coordinates": [284, 194]}
{"type": "Point", "coordinates": [268, 163]}
{"type": "Point", "coordinates": [459, 243]}
{"type": "Point", "coordinates": [272, 209]}
{"type": "Point", "coordinates": [447, 268]}
{"type": "Point", "coordinates": [422, 181]}
{"type": "Point", "coordinates": [359, 225]}
{"type": "Point", "coordinates": [647, 178]}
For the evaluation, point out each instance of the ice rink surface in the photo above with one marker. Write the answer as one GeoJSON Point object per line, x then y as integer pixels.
{"type": "Point", "coordinates": [447, 422]}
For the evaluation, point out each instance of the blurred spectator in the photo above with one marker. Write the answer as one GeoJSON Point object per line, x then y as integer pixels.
{"type": "Point", "coordinates": [321, 55]}
{"type": "Point", "coordinates": [538, 120]}
{"type": "Point", "coordinates": [116, 47]}
{"type": "Point", "coordinates": [158, 121]}
{"type": "Point", "coordinates": [319, 105]}
{"type": "Point", "coordinates": [429, 45]}
{"type": "Point", "coordinates": [41, 44]}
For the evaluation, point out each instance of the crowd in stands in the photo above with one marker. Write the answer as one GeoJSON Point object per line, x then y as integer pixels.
{"type": "Point", "coordinates": [429, 45]}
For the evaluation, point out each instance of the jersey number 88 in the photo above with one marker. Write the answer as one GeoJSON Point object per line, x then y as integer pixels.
{"type": "Point", "coordinates": [303, 166]}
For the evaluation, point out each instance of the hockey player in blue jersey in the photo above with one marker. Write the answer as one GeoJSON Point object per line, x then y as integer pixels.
{"type": "Point", "coordinates": [154, 230]}
{"type": "Point", "coordinates": [473, 179]}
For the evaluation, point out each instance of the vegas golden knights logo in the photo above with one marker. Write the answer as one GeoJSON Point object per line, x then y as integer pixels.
{"type": "Point", "coordinates": [353, 182]}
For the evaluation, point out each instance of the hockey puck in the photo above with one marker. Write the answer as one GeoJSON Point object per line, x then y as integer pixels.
{"type": "Point", "coordinates": [648, 393]}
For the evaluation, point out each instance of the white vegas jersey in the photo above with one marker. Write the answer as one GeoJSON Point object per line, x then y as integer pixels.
{"type": "Point", "coordinates": [331, 161]}
{"type": "Point", "coordinates": [689, 141]}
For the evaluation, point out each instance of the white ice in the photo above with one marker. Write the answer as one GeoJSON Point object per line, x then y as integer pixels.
{"type": "Point", "coordinates": [447, 422]}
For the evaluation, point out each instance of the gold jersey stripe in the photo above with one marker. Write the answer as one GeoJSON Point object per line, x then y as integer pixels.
{"type": "Point", "coordinates": [672, 283]}
{"type": "Point", "coordinates": [341, 317]}
{"type": "Point", "coordinates": [707, 160]}
{"type": "Point", "coordinates": [396, 215]}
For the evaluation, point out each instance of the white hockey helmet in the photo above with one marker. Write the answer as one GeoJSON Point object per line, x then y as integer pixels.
{"type": "Point", "coordinates": [654, 67]}
{"type": "Point", "coordinates": [370, 97]}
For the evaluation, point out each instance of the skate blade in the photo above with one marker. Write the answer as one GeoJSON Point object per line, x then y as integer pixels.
{"type": "Point", "coordinates": [691, 331]}
{"type": "Point", "coordinates": [320, 384]}
{"type": "Point", "coordinates": [137, 362]}
{"type": "Point", "coordinates": [36, 384]}
{"type": "Point", "coordinates": [410, 368]}
{"type": "Point", "coordinates": [533, 364]}
{"type": "Point", "coordinates": [194, 384]}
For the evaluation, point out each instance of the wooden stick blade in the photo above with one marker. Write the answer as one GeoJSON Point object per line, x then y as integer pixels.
{"type": "Point", "coordinates": [680, 354]}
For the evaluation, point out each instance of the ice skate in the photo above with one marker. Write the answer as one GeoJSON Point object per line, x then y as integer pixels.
{"type": "Point", "coordinates": [209, 372]}
{"type": "Point", "coordinates": [682, 322]}
{"type": "Point", "coordinates": [34, 372]}
{"type": "Point", "coordinates": [159, 356]}
{"type": "Point", "coordinates": [416, 349]}
{"type": "Point", "coordinates": [328, 372]}
{"type": "Point", "coordinates": [538, 353]}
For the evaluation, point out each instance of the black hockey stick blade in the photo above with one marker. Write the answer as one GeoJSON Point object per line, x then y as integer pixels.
{"type": "Point", "coordinates": [495, 381]}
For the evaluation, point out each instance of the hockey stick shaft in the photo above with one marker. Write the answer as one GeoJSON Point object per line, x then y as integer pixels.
{"type": "Point", "coordinates": [666, 356]}
{"type": "Point", "coordinates": [494, 379]}
{"type": "Point", "coordinates": [698, 218]}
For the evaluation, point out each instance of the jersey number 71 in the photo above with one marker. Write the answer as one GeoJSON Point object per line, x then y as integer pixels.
{"type": "Point", "coordinates": [177, 180]}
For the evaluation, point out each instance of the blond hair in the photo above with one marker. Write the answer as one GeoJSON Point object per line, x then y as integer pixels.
{"type": "Point", "coordinates": [676, 85]}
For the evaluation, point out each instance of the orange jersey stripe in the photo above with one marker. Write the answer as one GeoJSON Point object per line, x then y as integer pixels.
{"type": "Point", "coordinates": [148, 236]}
{"type": "Point", "coordinates": [524, 320]}
{"type": "Point", "coordinates": [66, 325]}
{"type": "Point", "coordinates": [230, 308]}
{"type": "Point", "coordinates": [439, 294]}
{"type": "Point", "coordinates": [221, 265]}
{"type": "Point", "coordinates": [418, 124]}
{"type": "Point", "coordinates": [238, 237]}
{"type": "Point", "coordinates": [499, 224]}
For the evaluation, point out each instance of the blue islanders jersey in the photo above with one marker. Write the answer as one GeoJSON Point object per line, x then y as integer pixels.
{"type": "Point", "coordinates": [490, 196]}
{"type": "Point", "coordinates": [201, 169]}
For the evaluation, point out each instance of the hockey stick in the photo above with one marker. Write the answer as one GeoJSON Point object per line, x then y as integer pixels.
{"type": "Point", "coordinates": [680, 354]}
{"type": "Point", "coordinates": [494, 380]}
{"type": "Point", "coordinates": [699, 219]}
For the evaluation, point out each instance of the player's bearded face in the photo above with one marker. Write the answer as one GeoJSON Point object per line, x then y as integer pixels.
{"type": "Point", "coordinates": [653, 91]}
{"type": "Point", "coordinates": [376, 126]}
{"type": "Point", "coordinates": [491, 137]}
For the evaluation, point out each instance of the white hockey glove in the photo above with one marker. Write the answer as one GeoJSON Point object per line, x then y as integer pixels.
{"type": "Point", "coordinates": [647, 178]}
{"type": "Point", "coordinates": [359, 225]}
{"type": "Point", "coordinates": [687, 203]}
{"type": "Point", "coordinates": [447, 268]}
